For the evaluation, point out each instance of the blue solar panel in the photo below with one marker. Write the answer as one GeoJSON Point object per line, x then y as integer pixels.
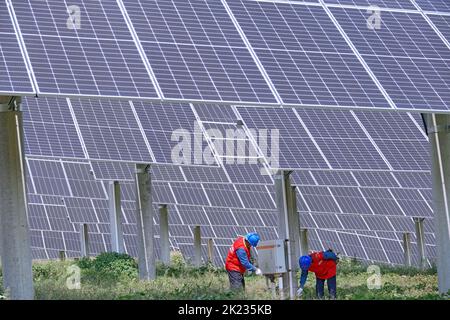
{"type": "Point", "coordinates": [195, 51]}
{"type": "Point", "coordinates": [394, 4]}
{"type": "Point", "coordinates": [442, 23]}
{"type": "Point", "coordinates": [312, 68]}
{"type": "Point", "coordinates": [382, 202]}
{"type": "Point", "coordinates": [255, 196]}
{"type": "Point", "coordinates": [165, 126]}
{"type": "Point", "coordinates": [342, 140]}
{"type": "Point", "coordinates": [332, 178]}
{"type": "Point", "coordinates": [419, 180]}
{"type": "Point", "coordinates": [98, 59]}
{"type": "Point", "coordinates": [116, 171]}
{"type": "Point", "coordinates": [376, 179]}
{"type": "Point", "coordinates": [222, 195]}
{"type": "Point", "coordinates": [48, 178]}
{"type": "Point", "coordinates": [49, 129]}
{"type": "Point", "coordinates": [434, 5]}
{"type": "Point", "coordinates": [405, 54]}
{"type": "Point", "coordinates": [82, 182]}
{"type": "Point", "coordinates": [13, 72]}
{"type": "Point", "coordinates": [296, 149]}
{"type": "Point", "coordinates": [319, 199]}
{"type": "Point", "coordinates": [110, 131]}
{"type": "Point", "coordinates": [350, 200]}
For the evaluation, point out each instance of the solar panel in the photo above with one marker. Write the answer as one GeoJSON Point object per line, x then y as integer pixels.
{"type": "Point", "coordinates": [196, 53]}
{"type": "Point", "coordinates": [82, 182]}
{"type": "Point", "coordinates": [434, 5]}
{"type": "Point", "coordinates": [110, 131]}
{"type": "Point", "coordinates": [351, 200]}
{"type": "Point", "coordinates": [332, 178]}
{"type": "Point", "coordinates": [394, 4]}
{"type": "Point", "coordinates": [376, 179]}
{"type": "Point", "coordinates": [412, 69]}
{"type": "Point", "coordinates": [49, 129]}
{"type": "Point", "coordinates": [113, 171]}
{"type": "Point", "coordinates": [296, 149]}
{"type": "Point", "coordinates": [310, 68]}
{"type": "Point", "coordinates": [167, 125]}
{"type": "Point", "coordinates": [318, 199]}
{"type": "Point", "coordinates": [255, 196]}
{"type": "Point", "coordinates": [14, 75]}
{"type": "Point", "coordinates": [48, 178]}
{"type": "Point", "coordinates": [342, 140]}
{"type": "Point", "coordinates": [98, 58]}
{"type": "Point", "coordinates": [222, 195]}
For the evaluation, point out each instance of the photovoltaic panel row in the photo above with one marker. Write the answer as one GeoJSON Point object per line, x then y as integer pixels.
{"type": "Point", "coordinates": [98, 58]}
{"type": "Point", "coordinates": [406, 55]}
{"type": "Point", "coordinates": [14, 76]}
{"type": "Point", "coordinates": [196, 52]}
{"type": "Point", "coordinates": [310, 68]}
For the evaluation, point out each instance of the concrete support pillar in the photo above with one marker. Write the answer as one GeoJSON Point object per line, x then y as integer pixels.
{"type": "Point", "coordinates": [304, 245]}
{"type": "Point", "coordinates": [438, 127]}
{"type": "Point", "coordinates": [210, 251]}
{"type": "Point", "coordinates": [14, 232]}
{"type": "Point", "coordinates": [288, 229]}
{"type": "Point", "coordinates": [115, 217]}
{"type": "Point", "coordinates": [164, 234]}
{"type": "Point", "coordinates": [197, 247]}
{"type": "Point", "coordinates": [145, 224]}
{"type": "Point", "coordinates": [84, 240]}
{"type": "Point", "coordinates": [420, 236]}
{"type": "Point", "coordinates": [407, 249]}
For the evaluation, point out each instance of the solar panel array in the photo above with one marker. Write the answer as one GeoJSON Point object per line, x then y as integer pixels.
{"type": "Point", "coordinates": [242, 52]}
{"type": "Point", "coordinates": [371, 203]}
{"type": "Point", "coordinates": [361, 175]}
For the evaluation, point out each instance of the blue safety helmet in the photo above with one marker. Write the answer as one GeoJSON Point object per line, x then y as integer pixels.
{"type": "Point", "coordinates": [305, 262]}
{"type": "Point", "coordinates": [252, 238]}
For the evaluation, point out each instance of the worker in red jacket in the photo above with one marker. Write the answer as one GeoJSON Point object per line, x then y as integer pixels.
{"type": "Point", "coordinates": [323, 264]}
{"type": "Point", "coordinates": [238, 260]}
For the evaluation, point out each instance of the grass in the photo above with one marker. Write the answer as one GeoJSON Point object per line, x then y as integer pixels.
{"type": "Point", "coordinates": [114, 277]}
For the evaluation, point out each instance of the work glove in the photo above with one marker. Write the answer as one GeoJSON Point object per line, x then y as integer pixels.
{"type": "Point", "coordinates": [299, 292]}
{"type": "Point", "coordinates": [258, 272]}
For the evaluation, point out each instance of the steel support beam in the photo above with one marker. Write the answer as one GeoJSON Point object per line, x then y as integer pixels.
{"type": "Point", "coordinates": [145, 224]}
{"type": "Point", "coordinates": [438, 129]}
{"type": "Point", "coordinates": [115, 217]}
{"type": "Point", "coordinates": [304, 245]}
{"type": "Point", "coordinates": [14, 232]}
{"type": "Point", "coordinates": [211, 251]}
{"type": "Point", "coordinates": [407, 249]}
{"type": "Point", "coordinates": [84, 240]}
{"type": "Point", "coordinates": [288, 229]}
{"type": "Point", "coordinates": [197, 246]}
{"type": "Point", "coordinates": [164, 234]}
{"type": "Point", "coordinates": [420, 238]}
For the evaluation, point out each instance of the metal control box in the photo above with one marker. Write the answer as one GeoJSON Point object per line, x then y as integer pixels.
{"type": "Point", "coordinates": [272, 256]}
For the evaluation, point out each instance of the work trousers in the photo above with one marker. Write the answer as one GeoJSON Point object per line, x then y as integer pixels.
{"type": "Point", "coordinates": [320, 287]}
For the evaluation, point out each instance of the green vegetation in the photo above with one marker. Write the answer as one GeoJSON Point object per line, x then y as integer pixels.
{"type": "Point", "coordinates": [114, 276]}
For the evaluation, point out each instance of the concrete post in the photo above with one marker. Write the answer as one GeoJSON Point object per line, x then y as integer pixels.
{"type": "Point", "coordinates": [420, 236]}
{"type": "Point", "coordinates": [14, 232]}
{"type": "Point", "coordinates": [164, 234]}
{"type": "Point", "coordinates": [145, 225]}
{"type": "Point", "coordinates": [197, 247]}
{"type": "Point", "coordinates": [115, 217]}
{"type": "Point", "coordinates": [304, 245]}
{"type": "Point", "coordinates": [288, 229]}
{"type": "Point", "coordinates": [438, 132]}
{"type": "Point", "coordinates": [84, 240]}
{"type": "Point", "coordinates": [211, 251]}
{"type": "Point", "coordinates": [407, 249]}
